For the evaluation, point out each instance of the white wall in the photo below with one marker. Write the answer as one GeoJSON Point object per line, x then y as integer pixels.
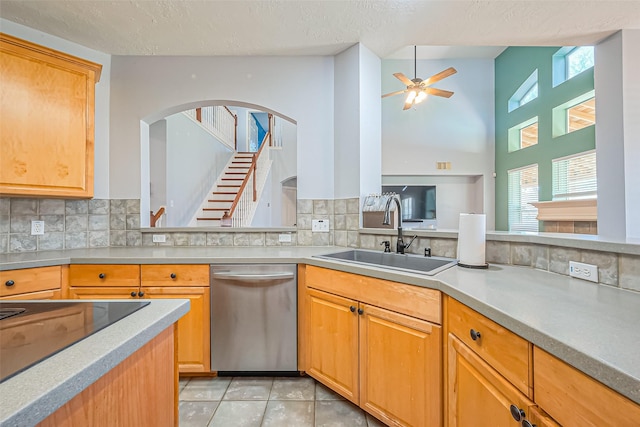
{"type": "Point", "coordinates": [101, 142]}
{"type": "Point", "coordinates": [631, 101]}
{"type": "Point", "coordinates": [357, 123]}
{"type": "Point", "coordinates": [610, 137]}
{"type": "Point", "coordinates": [346, 131]}
{"type": "Point", "coordinates": [158, 165]}
{"type": "Point", "coordinates": [460, 129]}
{"type": "Point", "coordinates": [195, 159]}
{"type": "Point", "coordinates": [370, 123]}
{"type": "Point", "coordinates": [149, 88]}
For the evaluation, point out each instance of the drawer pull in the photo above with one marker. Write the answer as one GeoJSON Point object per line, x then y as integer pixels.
{"type": "Point", "coordinates": [140, 294]}
{"type": "Point", "coordinates": [475, 335]}
{"type": "Point", "coordinates": [102, 275]}
{"type": "Point", "coordinates": [517, 413]}
{"type": "Point", "coordinates": [133, 294]}
{"type": "Point", "coordinates": [526, 423]}
{"type": "Point", "coordinates": [360, 311]}
{"type": "Point", "coordinates": [9, 283]}
{"type": "Point", "coordinates": [352, 308]}
{"type": "Point", "coordinates": [173, 275]}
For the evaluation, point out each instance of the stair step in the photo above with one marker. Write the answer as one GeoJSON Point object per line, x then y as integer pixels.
{"type": "Point", "coordinates": [218, 204]}
{"type": "Point", "coordinates": [228, 186]}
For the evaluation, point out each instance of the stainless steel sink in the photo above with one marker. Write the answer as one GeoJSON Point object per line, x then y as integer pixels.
{"type": "Point", "coordinates": [402, 262]}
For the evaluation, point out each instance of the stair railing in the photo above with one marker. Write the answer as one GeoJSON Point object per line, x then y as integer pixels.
{"type": "Point", "coordinates": [154, 218]}
{"type": "Point", "coordinates": [219, 121]}
{"type": "Point", "coordinates": [243, 204]}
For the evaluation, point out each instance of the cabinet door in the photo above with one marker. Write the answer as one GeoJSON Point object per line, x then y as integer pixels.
{"type": "Point", "coordinates": [477, 395]}
{"type": "Point", "coordinates": [194, 338]}
{"type": "Point", "coordinates": [400, 365]}
{"type": "Point", "coordinates": [332, 342]}
{"type": "Point", "coordinates": [47, 126]}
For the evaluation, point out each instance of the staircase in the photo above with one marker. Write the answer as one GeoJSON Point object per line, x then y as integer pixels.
{"type": "Point", "coordinates": [225, 191]}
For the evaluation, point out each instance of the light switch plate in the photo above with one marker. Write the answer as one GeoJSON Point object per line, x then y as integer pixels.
{"type": "Point", "coordinates": [320, 225]}
{"type": "Point", "coordinates": [284, 238]}
{"type": "Point", "coordinates": [159, 238]}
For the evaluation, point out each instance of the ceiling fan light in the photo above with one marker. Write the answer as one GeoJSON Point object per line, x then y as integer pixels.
{"type": "Point", "coordinates": [410, 97]}
{"type": "Point", "coordinates": [422, 95]}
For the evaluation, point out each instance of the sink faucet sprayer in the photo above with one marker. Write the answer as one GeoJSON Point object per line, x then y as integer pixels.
{"type": "Point", "coordinates": [400, 246]}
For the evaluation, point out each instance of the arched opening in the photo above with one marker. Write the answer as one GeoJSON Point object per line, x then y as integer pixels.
{"type": "Point", "coordinates": [183, 160]}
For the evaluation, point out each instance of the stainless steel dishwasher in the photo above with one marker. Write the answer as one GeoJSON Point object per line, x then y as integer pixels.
{"type": "Point", "coordinates": [254, 318]}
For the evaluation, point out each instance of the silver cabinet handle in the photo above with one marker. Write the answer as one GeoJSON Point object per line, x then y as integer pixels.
{"type": "Point", "coordinates": [255, 277]}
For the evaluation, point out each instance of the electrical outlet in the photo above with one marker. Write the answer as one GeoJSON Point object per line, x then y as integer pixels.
{"type": "Point", "coordinates": [159, 238]}
{"type": "Point", "coordinates": [320, 225]}
{"type": "Point", "coordinates": [284, 238]}
{"type": "Point", "coordinates": [583, 271]}
{"type": "Point", "coordinates": [37, 228]}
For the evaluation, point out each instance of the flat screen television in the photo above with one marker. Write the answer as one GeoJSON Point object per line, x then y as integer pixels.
{"type": "Point", "coordinates": [418, 201]}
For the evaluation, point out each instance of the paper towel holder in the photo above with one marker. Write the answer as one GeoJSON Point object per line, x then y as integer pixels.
{"type": "Point", "coordinates": [481, 266]}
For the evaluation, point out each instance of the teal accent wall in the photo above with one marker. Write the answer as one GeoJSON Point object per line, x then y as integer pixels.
{"type": "Point", "coordinates": [512, 68]}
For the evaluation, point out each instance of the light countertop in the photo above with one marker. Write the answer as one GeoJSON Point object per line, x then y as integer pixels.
{"type": "Point", "coordinates": [593, 327]}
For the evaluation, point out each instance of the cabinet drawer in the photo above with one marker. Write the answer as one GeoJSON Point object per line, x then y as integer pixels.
{"type": "Point", "coordinates": [16, 282]}
{"type": "Point", "coordinates": [575, 399]}
{"type": "Point", "coordinates": [174, 275]}
{"type": "Point", "coordinates": [502, 349]}
{"type": "Point", "coordinates": [415, 301]}
{"type": "Point", "coordinates": [104, 275]}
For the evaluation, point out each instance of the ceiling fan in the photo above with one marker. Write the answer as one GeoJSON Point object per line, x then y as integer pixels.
{"type": "Point", "coordinates": [417, 88]}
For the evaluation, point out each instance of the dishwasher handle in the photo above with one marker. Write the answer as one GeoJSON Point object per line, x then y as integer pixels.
{"type": "Point", "coordinates": [230, 275]}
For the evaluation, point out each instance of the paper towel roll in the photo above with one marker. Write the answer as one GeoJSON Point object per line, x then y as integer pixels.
{"type": "Point", "coordinates": [471, 240]}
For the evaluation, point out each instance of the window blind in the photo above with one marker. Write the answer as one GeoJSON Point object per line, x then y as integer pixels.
{"type": "Point", "coordinates": [574, 177]}
{"type": "Point", "coordinates": [522, 188]}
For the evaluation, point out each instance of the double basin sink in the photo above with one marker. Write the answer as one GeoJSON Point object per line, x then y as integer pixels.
{"type": "Point", "coordinates": [402, 262]}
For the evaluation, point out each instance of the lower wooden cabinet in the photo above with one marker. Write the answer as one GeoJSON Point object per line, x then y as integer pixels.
{"type": "Point", "coordinates": [332, 342]}
{"type": "Point", "coordinates": [400, 363]}
{"type": "Point", "coordinates": [156, 281]}
{"type": "Point", "coordinates": [193, 328]}
{"type": "Point", "coordinates": [574, 399]}
{"type": "Point", "coordinates": [386, 362]}
{"type": "Point", "coordinates": [477, 394]}
{"type": "Point", "coordinates": [32, 283]}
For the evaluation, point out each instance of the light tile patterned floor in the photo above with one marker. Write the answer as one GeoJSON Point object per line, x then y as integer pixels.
{"type": "Point", "coordinates": [265, 401]}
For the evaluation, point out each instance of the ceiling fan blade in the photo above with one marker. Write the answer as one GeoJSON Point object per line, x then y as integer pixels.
{"type": "Point", "coordinates": [398, 92]}
{"type": "Point", "coordinates": [404, 79]}
{"type": "Point", "coordinates": [438, 92]}
{"type": "Point", "coordinates": [441, 75]}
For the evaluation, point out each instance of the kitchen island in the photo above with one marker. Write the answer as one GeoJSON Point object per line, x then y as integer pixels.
{"type": "Point", "coordinates": [135, 353]}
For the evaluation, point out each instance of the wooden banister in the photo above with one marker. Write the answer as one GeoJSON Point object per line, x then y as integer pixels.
{"type": "Point", "coordinates": [251, 171]}
{"type": "Point", "coordinates": [153, 218]}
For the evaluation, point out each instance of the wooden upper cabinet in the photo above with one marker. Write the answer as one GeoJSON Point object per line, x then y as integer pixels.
{"type": "Point", "coordinates": [47, 129]}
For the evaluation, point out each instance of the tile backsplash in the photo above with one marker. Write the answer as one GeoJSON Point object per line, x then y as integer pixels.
{"type": "Point", "coordinates": [68, 224]}
{"type": "Point", "coordinates": [71, 224]}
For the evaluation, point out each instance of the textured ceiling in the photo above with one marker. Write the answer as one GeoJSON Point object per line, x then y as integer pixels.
{"type": "Point", "coordinates": [277, 27]}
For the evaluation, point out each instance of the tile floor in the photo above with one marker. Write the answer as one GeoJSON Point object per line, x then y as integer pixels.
{"type": "Point", "coordinates": [265, 401]}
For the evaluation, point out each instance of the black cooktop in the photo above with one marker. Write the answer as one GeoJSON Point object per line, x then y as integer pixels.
{"type": "Point", "coordinates": [31, 331]}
